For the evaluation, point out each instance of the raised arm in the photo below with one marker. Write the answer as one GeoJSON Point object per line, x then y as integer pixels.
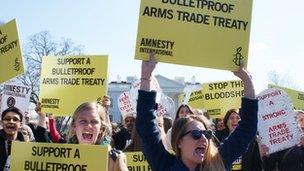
{"type": "Point", "coordinates": [244, 75]}
{"type": "Point", "coordinates": [55, 136]}
{"type": "Point", "coordinates": [237, 142]}
{"type": "Point", "coordinates": [147, 68]}
{"type": "Point", "coordinates": [146, 126]}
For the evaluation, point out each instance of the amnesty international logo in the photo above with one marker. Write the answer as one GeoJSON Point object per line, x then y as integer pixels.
{"type": "Point", "coordinates": [238, 57]}
{"type": "Point", "coordinates": [11, 102]}
{"type": "Point", "coordinates": [17, 65]}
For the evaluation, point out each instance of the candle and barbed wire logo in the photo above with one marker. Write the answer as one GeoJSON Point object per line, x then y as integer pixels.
{"type": "Point", "coordinates": [11, 102]}
{"type": "Point", "coordinates": [238, 57]}
{"type": "Point", "coordinates": [99, 100]}
{"type": "Point", "coordinates": [17, 65]}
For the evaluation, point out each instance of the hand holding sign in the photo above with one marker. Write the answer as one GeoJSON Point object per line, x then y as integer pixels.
{"type": "Point", "coordinates": [147, 68]}
{"type": "Point", "coordinates": [245, 76]}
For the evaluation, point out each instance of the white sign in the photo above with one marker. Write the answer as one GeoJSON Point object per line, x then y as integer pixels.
{"type": "Point", "coordinates": [277, 123]}
{"type": "Point", "coordinates": [165, 104]}
{"type": "Point", "coordinates": [135, 87]}
{"type": "Point", "coordinates": [125, 105]}
{"type": "Point", "coordinates": [16, 96]}
{"type": "Point", "coordinates": [188, 90]}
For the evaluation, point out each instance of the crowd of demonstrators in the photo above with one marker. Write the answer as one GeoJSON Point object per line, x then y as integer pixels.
{"type": "Point", "coordinates": [289, 159]}
{"type": "Point", "coordinates": [191, 135]}
{"type": "Point", "coordinates": [190, 142]}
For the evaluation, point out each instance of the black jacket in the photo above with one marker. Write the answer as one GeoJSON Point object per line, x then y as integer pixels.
{"type": "Point", "coordinates": [291, 159]}
{"type": "Point", "coordinates": [5, 147]}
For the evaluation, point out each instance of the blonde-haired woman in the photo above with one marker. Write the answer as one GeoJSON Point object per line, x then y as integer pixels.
{"type": "Point", "coordinates": [89, 126]}
{"type": "Point", "coordinates": [191, 136]}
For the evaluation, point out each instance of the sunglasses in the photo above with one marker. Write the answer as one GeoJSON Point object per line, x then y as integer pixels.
{"type": "Point", "coordinates": [197, 134]}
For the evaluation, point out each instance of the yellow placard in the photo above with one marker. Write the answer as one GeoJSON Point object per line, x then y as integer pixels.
{"type": "Point", "coordinates": [195, 100]}
{"type": "Point", "coordinates": [219, 97]}
{"type": "Point", "coordinates": [47, 157]}
{"type": "Point", "coordinates": [297, 97]}
{"type": "Point", "coordinates": [137, 161]}
{"type": "Point", "coordinates": [66, 82]}
{"type": "Point", "coordinates": [204, 33]}
{"type": "Point", "coordinates": [11, 64]}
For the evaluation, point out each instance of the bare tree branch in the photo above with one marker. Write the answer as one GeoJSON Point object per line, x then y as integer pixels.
{"type": "Point", "coordinates": [284, 81]}
{"type": "Point", "coordinates": [40, 45]}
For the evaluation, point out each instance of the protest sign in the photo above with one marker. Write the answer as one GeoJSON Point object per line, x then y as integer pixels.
{"type": "Point", "coordinates": [216, 97]}
{"type": "Point", "coordinates": [193, 96]}
{"type": "Point", "coordinates": [136, 86]}
{"type": "Point", "coordinates": [297, 97]}
{"type": "Point", "coordinates": [125, 105]}
{"type": "Point", "coordinates": [165, 104]}
{"type": "Point", "coordinates": [66, 82]}
{"type": "Point", "coordinates": [166, 107]}
{"type": "Point", "coordinates": [11, 64]}
{"type": "Point", "coordinates": [47, 156]}
{"type": "Point", "coordinates": [137, 161]}
{"type": "Point", "coordinates": [219, 97]}
{"type": "Point", "coordinates": [277, 123]}
{"type": "Point", "coordinates": [204, 33]}
{"type": "Point", "coordinates": [16, 96]}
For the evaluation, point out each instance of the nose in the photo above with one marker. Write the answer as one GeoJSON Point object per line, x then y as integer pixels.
{"type": "Point", "coordinates": [203, 139]}
{"type": "Point", "coordinates": [89, 124]}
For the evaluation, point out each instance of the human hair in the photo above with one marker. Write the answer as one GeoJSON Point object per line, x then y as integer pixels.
{"type": "Point", "coordinates": [180, 108]}
{"type": "Point", "coordinates": [213, 161]}
{"type": "Point", "coordinates": [227, 115]}
{"type": "Point", "coordinates": [88, 106]}
{"type": "Point", "coordinates": [14, 110]}
{"type": "Point", "coordinates": [167, 123]}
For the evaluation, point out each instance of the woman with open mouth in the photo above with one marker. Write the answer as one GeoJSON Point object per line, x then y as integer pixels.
{"type": "Point", "coordinates": [89, 126]}
{"type": "Point", "coordinates": [11, 119]}
{"type": "Point", "coordinates": [191, 136]}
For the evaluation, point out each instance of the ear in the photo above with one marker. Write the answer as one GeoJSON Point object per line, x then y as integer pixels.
{"type": "Point", "coordinates": [179, 143]}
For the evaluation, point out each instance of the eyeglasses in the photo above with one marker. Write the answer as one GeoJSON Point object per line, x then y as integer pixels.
{"type": "Point", "coordinates": [8, 119]}
{"type": "Point", "coordinates": [197, 134]}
